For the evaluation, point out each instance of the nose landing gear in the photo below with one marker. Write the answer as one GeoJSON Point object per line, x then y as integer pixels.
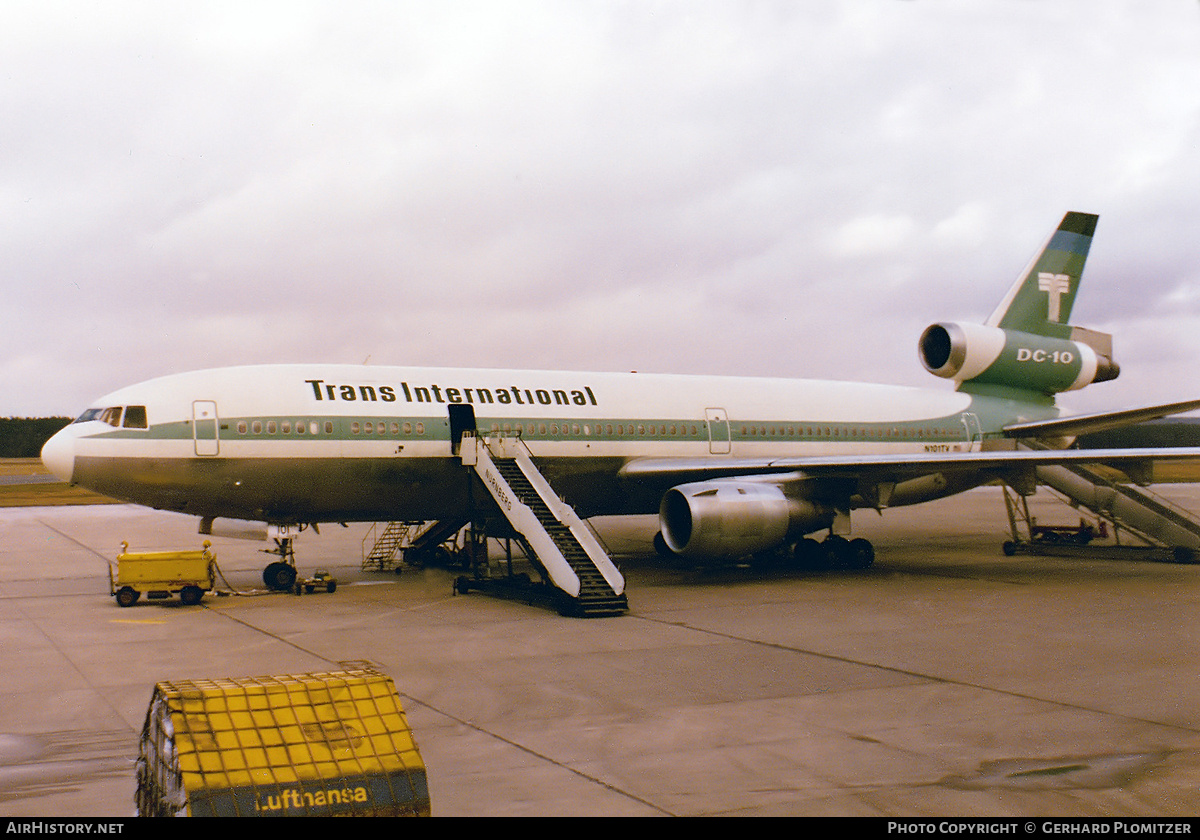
{"type": "Point", "coordinates": [281, 575]}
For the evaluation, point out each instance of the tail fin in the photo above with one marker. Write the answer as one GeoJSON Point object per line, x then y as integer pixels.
{"type": "Point", "coordinates": [1040, 301]}
{"type": "Point", "coordinates": [1027, 345]}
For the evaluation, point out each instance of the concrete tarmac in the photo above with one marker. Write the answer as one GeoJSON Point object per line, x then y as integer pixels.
{"type": "Point", "coordinates": [948, 680]}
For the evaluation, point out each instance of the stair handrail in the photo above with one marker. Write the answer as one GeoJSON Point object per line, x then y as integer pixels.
{"type": "Point", "coordinates": [368, 537]}
{"type": "Point", "coordinates": [478, 455]}
{"type": "Point", "coordinates": [581, 529]}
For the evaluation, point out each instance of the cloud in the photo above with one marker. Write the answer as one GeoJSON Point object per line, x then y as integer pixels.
{"type": "Point", "coordinates": [774, 189]}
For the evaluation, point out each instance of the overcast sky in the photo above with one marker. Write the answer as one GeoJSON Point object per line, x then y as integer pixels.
{"type": "Point", "coordinates": [769, 189]}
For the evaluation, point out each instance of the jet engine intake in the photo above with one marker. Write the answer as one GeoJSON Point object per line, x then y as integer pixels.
{"type": "Point", "coordinates": [734, 518]}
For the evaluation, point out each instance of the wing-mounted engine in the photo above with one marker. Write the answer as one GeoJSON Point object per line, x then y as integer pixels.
{"type": "Point", "coordinates": [979, 354]}
{"type": "Point", "coordinates": [734, 517]}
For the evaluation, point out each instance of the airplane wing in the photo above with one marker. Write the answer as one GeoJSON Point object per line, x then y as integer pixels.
{"type": "Point", "coordinates": [901, 466]}
{"type": "Point", "coordinates": [1081, 424]}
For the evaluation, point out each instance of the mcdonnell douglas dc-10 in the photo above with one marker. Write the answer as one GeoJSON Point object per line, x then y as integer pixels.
{"type": "Point", "coordinates": [732, 466]}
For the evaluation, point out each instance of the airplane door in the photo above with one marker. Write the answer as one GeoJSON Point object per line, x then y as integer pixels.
{"type": "Point", "coordinates": [204, 427]}
{"type": "Point", "coordinates": [974, 432]}
{"type": "Point", "coordinates": [718, 431]}
{"type": "Point", "coordinates": [462, 419]}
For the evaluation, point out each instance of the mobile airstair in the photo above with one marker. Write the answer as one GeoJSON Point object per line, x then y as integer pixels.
{"type": "Point", "coordinates": [556, 540]}
{"type": "Point", "coordinates": [1170, 531]}
{"type": "Point", "coordinates": [430, 543]}
{"type": "Point", "coordinates": [385, 545]}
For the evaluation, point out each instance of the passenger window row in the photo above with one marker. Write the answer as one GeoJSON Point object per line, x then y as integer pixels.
{"type": "Point", "coordinates": [854, 432]}
{"type": "Point", "coordinates": [284, 427]}
{"type": "Point", "coordinates": [568, 429]}
{"type": "Point", "coordinates": [314, 427]}
{"type": "Point", "coordinates": [407, 428]}
{"type": "Point", "coordinates": [383, 427]}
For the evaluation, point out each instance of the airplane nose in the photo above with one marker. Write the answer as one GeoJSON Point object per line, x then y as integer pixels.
{"type": "Point", "coordinates": [59, 455]}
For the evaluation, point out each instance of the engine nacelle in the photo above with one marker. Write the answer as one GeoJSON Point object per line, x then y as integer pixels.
{"type": "Point", "coordinates": [733, 518]}
{"type": "Point", "coordinates": [989, 355]}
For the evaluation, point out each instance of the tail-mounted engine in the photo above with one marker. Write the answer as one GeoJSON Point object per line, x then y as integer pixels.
{"type": "Point", "coordinates": [733, 518]}
{"type": "Point", "coordinates": [980, 354]}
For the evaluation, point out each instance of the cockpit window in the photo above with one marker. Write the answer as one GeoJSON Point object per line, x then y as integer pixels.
{"type": "Point", "coordinates": [111, 416]}
{"type": "Point", "coordinates": [135, 417]}
{"type": "Point", "coordinates": [90, 414]}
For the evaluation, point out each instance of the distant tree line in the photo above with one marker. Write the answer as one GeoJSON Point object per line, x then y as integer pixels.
{"type": "Point", "coordinates": [22, 437]}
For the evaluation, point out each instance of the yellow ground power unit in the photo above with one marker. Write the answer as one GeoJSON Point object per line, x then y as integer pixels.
{"type": "Point", "coordinates": [159, 574]}
{"type": "Point", "coordinates": [323, 744]}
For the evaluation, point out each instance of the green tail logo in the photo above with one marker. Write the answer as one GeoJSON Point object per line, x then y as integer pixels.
{"type": "Point", "coordinates": [1040, 301]}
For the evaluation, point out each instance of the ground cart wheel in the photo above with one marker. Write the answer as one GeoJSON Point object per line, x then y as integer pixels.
{"type": "Point", "coordinates": [191, 595]}
{"type": "Point", "coordinates": [127, 596]}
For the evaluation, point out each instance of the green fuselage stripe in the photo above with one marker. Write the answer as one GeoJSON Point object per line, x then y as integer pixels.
{"type": "Point", "coordinates": [418, 428]}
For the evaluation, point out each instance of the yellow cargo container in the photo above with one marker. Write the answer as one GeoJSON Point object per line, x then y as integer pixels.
{"type": "Point", "coordinates": [159, 574]}
{"type": "Point", "coordinates": [322, 744]}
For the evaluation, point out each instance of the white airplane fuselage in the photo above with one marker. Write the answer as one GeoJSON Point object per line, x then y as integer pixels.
{"type": "Point", "coordinates": [322, 443]}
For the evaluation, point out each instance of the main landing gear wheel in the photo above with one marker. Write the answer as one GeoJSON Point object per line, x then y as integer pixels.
{"type": "Point", "coordinates": [834, 553]}
{"type": "Point", "coordinates": [854, 554]}
{"type": "Point", "coordinates": [810, 554]}
{"type": "Point", "coordinates": [861, 554]}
